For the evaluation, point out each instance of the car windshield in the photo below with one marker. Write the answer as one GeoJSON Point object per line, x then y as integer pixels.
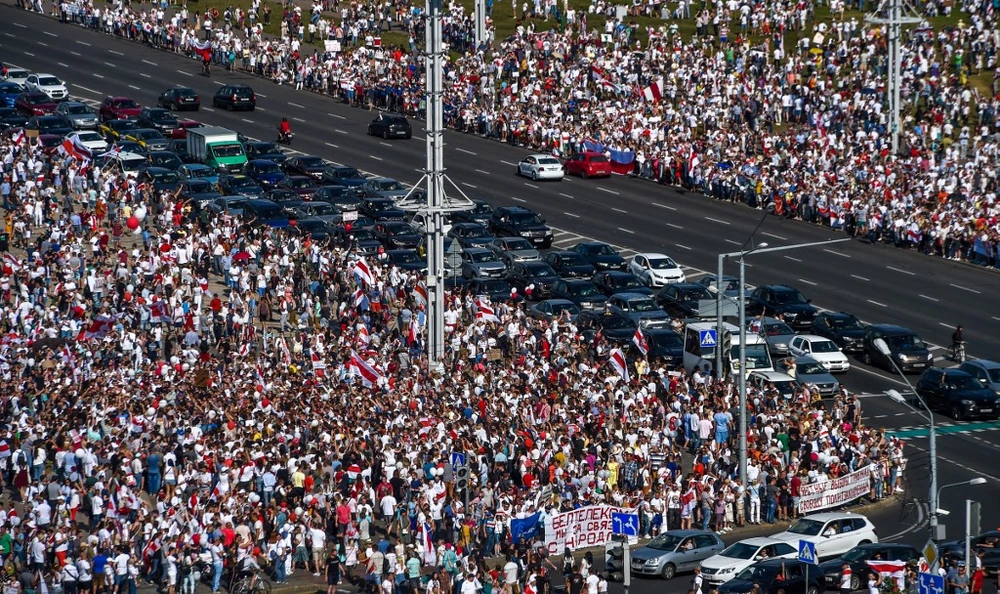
{"type": "Point", "coordinates": [311, 225]}
{"type": "Point", "coordinates": [266, 148]}
{"type": "Point", "coordinates": [484, 256]}
{"type": "Point", "coordinates": [599, 249]}
{"type": "Point", "coordinates": [994, 375]}
{"type": "Point", "coordinates": [125, 104]}
{"type": "Point", "coordinates": [162, 116]}
{"type": "Point", "coordinates": [380, 205]}
{"type": "Point", "coordinates": [236, 204]}
{"type": "Point", "coordinates": [777, 329]}
{"type": "Point", "coordinates": [558, 308]}
{"type": "Point", "coordinates": [241, 182]}
{"type": "Point", "coordinates": [789, 297]}
{"type": "Point", "coordinates": [662, 264]}
{"type": "Point", "coordinates": [49, 81]}
{"type": "Point", "coordinates": [166, 177]}
{"type": "Point", "coordinates": [693, 295]}
{"type": "Point", "coordinates": [310, 161]}
{"type": "Point", "coordinates": [132, 164]}
{"type": "Point", "coordinates": [200, 172]}
{"type": "Point", "coordinates": [401, 229]}
{"type": "Point", "coordinates": [665, 542]}
{"type": "Point", "coordinates": [525, 219]}
{"type": "Point", "coordinates": [518, 244]}
{"type": "Point", "coordinates": [824, 346]}
{"type": "Point", "coordinates": [962, 382]}
{"type": "Point", "coordinates": [148, 134]}
{"type": "Point", "coordinates": [76, 109]}
{"type": "Point", "coordinates": [627, 282]}
{"type": "Point", "coordinates": [548, 161]}
{"type": "Point", "coordinates": [476, 231]}
{"type": "Point", "coordinates": [301, 182]}
{"type": "Point", "coordinates": [806, 527]}
{"type": "Point", "coordinates": [228, 150]}
{"type": "Point", "coordinates": [848, 323]}
{"type": "Point", "coordinates": [323, 208]}
{"type": "Point", "coordinates": [348, 173]}
{"type": "Point", "coordinates": [643, 305]}
{"type": "Point", "coordinates": [363, 234]}
{"type": "Point", "coordinates": [905, 342]}
{"type": "Point", "coordinates": [666, 339]}
{"type": "Point", "coordinates": [268, 168]}
{"type": "Point", "coordinates": [757, 356]}
{"type": "Point", "coordinates": [39, 98]}
{"type": "Point", "coordinates": [405, 257]}
{"type": "Point", "coordinates": [389, 185]}
{"type": "Point", "coordinates": [856, 554]}
{"type": "Point", "coordinates": [740, 550]}
{"type": "Point", "coordinates": [598, 159]}
{"type": "Point", "coordinates": [583, 290]}
{"type": "Point", "coordinates": [186, 93]}
{"type": "Point", "coordinates": [88, 136]}
{"type": "Point", "coordinates": [756, 573]}
{"type": "Point", "coordinates": [809, 368]}
{"type": "Point", "coordinates": [539, 269]}
{"type": "Point", "coordinates": [198, 186]}
{"type": "Point", "coordinates": [10, 88]}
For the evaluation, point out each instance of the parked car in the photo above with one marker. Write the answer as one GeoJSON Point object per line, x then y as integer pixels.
{"type": "Point", "coordinates": [49, 124]}
{"type": "Point", "coordinates": [724, 565]}
{"type": "Point", "coordinates": [842, 328]}
{"type": "Point", "coordinates": [674, 551]}
{"type": "Point", "coordinates": [396, 235]}
{"type": "Point", "coordinates": [79, 116]}
{"type": "Point", "coordinates": [9, 92]}
{"type": "Point", "coordinates": [833, 533]}
{"type": "Point", "coordinates": [988, 542]}
{"type": "Point", "coordinates": [268, 151]}
{"type": "Point", "coordinates": [33, 103]}
{"type": "Point", "coordinates": [514, 249]}
{"type": "Point", "coordinates": [310, 165]}
{"type": "Point", "coordinates": [381, 209]}
{"type": "Point", "coordinates": [265, 212]}
{"type": "Point", "coordinates": [389, 125]}
{"type": "Point", "coordinates": [569, 264]}
{"type": "Point", "coordinates": [776, 576]}
{"type": "Point", "coordinates": [532, 278]}
{"type": "Point", "coordinates": [406, 260]}
{"type": "Point", "coordinates": [641, 308]}
{"type": "Point", "coordinates": [600, 255]}
{"type": "Point", "coordinates": [16, 75]}
{"type": "Point", "coordinates": [342, 176]}
{"type": "Point", "coordinates": [683, 300]}
{"type": "Point", "coordinates": [579, 291]}
{"type": "Point", "coordinates": [181, 131]}
{"type": "Point", "coordinates": [550, 309]}
{"type": "Point", "coordinates": [162, 180]}
{"type": "Point", "coordinates": [235, 97]}
{"type": "Point", "coordinates": [242, 185]}
{"type": "Point", "coordinates": [114, 130]}
{"type": "Point", "coordinates": [785, 385]}
{"type": "Point", "coordinates": [266, 173]}
{"type": "Point", "coordinates": [382, 187]}
{"type": "Point", "coordinates": [48, 84]}
{"type": "Point", "coordinates": [784, 302]}
{"type": "Point", "coordinates": [480, 262]}
{"type": "Point", "coordinates": [179, 99]}
{"type": "Point", "coordinates": [987, 372]}
{"type": "Point", "coordinates": [656, 269]}
{"type": "Point", "coordinates": [822, 349]}
{"type": "Point", "coordinates": [481, 212]}
{"type": "Point", "coordinates": [302, 185]}
{"type": "Point", "coordinates": [665, 344]}
{"type": "Point", "coordinates": [471, 234]}
{"type": "Point", "coordinates": [775, 333]}
{"type": "Point", "coordinates": [159, 119]}
{"type": "Point", "coordinates": [858, 557]}
{"type": "Point", "coordinates": [11, 118]}
{"type": "Point", "coordinates": [730, 286]}
{"type": "Point", "coordinates": [810, 373]}
{"type": "Point", "coordinates": [541, 167]}
{"type": "Point", "coordinates": [588, 164]}
{"type": "Point", "coordinates": [957, 393]}
{"type": "Point", "coordinates": [119, 108]}
{"type": "Point", "coordinates": [94, 142]}
{"type": "Point", "coordinates": [906, 349]}
{"type": "Point", "coordinates": [615, 281]}
{"type": "Point", "coordinates": [616, 328]}
{"type": "Point", "coordinates": [521, 222]}
{"type": "Point", "coordinates": [148, 138]}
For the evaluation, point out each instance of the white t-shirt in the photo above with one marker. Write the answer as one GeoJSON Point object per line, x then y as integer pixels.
{"type": "Point", "coordinates": [592, 583]}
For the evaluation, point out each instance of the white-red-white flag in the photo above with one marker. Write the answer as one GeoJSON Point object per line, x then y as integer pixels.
{"type": "Point", "coordinates": [618, 361]}
{"type": "Point", "coordinates": [420, 293]}
{"type": "Point", "coordinates": [640, 341]}
{"type": "Point", "coordinates": [369, 375]}
{"type": "Point", "coordinates": [319, 366]}
{"type": "Point", "coordinates": [485, 311]}
{"type": "Point", "coordinates": [363, 273]}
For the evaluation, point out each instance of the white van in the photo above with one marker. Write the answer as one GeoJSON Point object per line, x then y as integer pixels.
{"type": "Point", "coordinates": [699, 357]}
{"type": "Point", "coordinates": [127, 164]}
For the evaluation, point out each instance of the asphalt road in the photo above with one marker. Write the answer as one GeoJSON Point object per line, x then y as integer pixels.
{"type": "Point", "coordinates": [877, 283]}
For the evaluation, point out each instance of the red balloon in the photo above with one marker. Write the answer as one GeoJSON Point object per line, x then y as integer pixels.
{"type": "Point", "coordinates": [133, 222]}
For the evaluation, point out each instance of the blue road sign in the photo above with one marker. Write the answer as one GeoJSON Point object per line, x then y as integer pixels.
{"type": "Point", "coordinates": [930, 583]}
{"type": "Point", "coordinates": [807, 552]}
{"type": "Point", "coordinates": [708, 338]}
{"type": "Point", "coordinates": [457, 459]}
{"type": "Point", "coordinates": [625, 524]}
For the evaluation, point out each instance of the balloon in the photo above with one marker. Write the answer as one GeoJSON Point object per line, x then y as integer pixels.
{"type": "Point", "coordinates": [140, 213]}
{"type": "Point", "coordinates": [133, 222]}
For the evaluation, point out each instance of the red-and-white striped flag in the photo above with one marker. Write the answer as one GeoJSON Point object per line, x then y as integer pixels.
{"type": "Point", "coordinates": [364, 273]}
{"type": "Point", "coordinates": [618, 361]}
{"type": "Point", "coordinates": [420, 293]}
{"type": "Point", "coordinates": [369, 375]}
{"type": "Point", "coordinates": [486, 312]}
{"type": "Point", "coordinates": [640, 341]}
{"type": "Point", "coordinates": [73, 147]}
{"type": "Point", "coordinates": [654, 92]}
{"type": "Point", "coordinates": [890, 569]}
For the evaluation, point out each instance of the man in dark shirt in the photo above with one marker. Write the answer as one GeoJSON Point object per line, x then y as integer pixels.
{"type": "Point", "coordinates": [576, 581]}
{"type": "Point", "coordinates": [773, 491]}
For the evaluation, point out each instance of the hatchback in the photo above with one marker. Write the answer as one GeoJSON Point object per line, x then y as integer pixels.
{"type": "Point", "coordinates": [233, 97]}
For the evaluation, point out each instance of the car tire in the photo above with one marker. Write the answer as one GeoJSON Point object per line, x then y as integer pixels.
{"type": "Point", "coordinates": [866, 358]}
{"type": "Point", "coordinates": [957, 414]}
{"type": "Point", "coordinates": [229, 107]}
{"type": "Point", "coordinates": [812, 590]}
{"type": "Point", "coordinates": [855, 583]}
{"type": "Point", "coordinates": [669, 571]}
{"type": "Point", "coordinates": [583, 174]}
{"type": "Point", "coordinates": [385, 135]}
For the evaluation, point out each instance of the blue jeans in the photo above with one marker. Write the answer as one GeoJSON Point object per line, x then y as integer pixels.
{"type": "Point", "coordinates": [153, 482]}
{"type": "Point", "coordinates": [279, 570]}
{"type": "Point", "coordinates": [772, 506]}
{"type": "Point", "coordinates": [216, 575]}
{"type": "Point", "coordinates": [706, 518]}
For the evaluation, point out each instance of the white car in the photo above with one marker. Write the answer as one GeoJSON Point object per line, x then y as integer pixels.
{"type": "Point", "coordinates": [90, 139]}
{"type": "Point", "coordinates": [740, 555]}
{"type": "Point", "coordinates": [833, 533]}
{"type": "Point", "coordinates": [541, 167]}
{"type": "Point", "coordinates": [48, 84]}
{"type": "Point", "coordinates": [17, 75]}
{"type": "Point", "coordinates": [822, 349]}
{"type": "Point", "coordinates": [656, 270]}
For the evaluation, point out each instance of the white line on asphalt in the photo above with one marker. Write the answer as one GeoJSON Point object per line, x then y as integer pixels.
{"type": "Point", "coordinates": [673, 226]}
{"type": "Point", "coordinates": [664, 206]}
{"type": "Point", "coordinates": [608, 191]}
{"type": "Point", "coordinates": [115, 52]}
{"type": "Point", "coordinates": [508, 163]}
{"type": "Point", "coordinates": [945, 325]}
{"type": "Point", "coordinates": [75, 53]}
{"type": "Point", "coordinates": [50, 34]}
{"type": "Point", "coordinates": [261, 95]}
{"type": "Point", "coordinates": [522, 200]}
{"type": "Point", "coordinates": [901, 271]}
{"type": "Point", "coordinates": [19, 25]}
{"type": "Point", "coordinates": [468, 185]}
{"type": "Point", "coordinates": [376, 158]}
{"type": "Point", "coordinates": [774, 235]}
{"type": "Point", "coordinates": [792, 258]}
{"type": "Point", "coordinates": [336, 115]}
{"type": "Point", "coordinates": [626, 230]}
{"type": "Point", "coordinates": [11, 35]}
{"type": "Point", "coordinates": [996, 318]}
{"type": "Point", "coordinates": [144, 75]}
{"type": "Point", "coordinates": [966, 289]}
{"type": "Point", "coordinates": [575, 216]}
{"type": "Point", "coordinates": [730, 241]}
{"type": "Point", "coordinates": [330, 144]}
{"type": "Point", "coordinates": [860, 278]}
{"type": "Point", "coordinates": [43, 44]}
{"type": "Point", "coordinates": [184, 72]}
{"type": "Point", "coordinates": [565, 195]}
{"type": "Point", "coordinates": [299, 120]}
{"type": "Point", "coordinates": [148, 62]}
{"type": "Point", "coordinates": [467, 152]}
{"type": "Point", "coordinates": [85, 89]}
{"type": "Point", "coordinates": [836, 253]}
{"type": "Point", "coordinates": [63, 64]}
{"type": "Point", "coordinates": [720, 221]}
{"type": "Point", "coordinates": [218, 82]}
{"type": "Point", "coordinates": [483, 172]}
{"type": "Point", "coordinates": [619, 210]}
{"type": "Point", "coordinates": [975, 471]}
{"type": "Point", "coordinates": [208, 108]}
{"type": "Point", "coordinates": [339, 131]}
{"type": "Point", "coordinates": [531, 185]}
{"type": "Point", "coordinates": [110, 65]}
{"type": "Point", "coordinates": [420, 137]}
{"type": "Point", "coordinates": [83, 43]}
{"type": "Point", "coordinates": [567, 179]}
{"type": "Point", "coordinates": [808, 282]}
{"type": "Point", "coordinates": [385, 144]}
{"type": "Point", "coordinates": [259, 109]}
{"type": "Point", "coordinates": [134, 88]}
{"type": "Point", "coordinates": [247, 120]}
{"type": "Point", "coordinates": [929, 298]}
{"type": "Point", "coordinates": [101, 76]}
{"type": "Point", "coordinates": [877, 303]}
{"type": "Point", "coordinates": [29, 54]}
{"type": "Point", "coordinates": [296, 105]}
{"type": "Point", "coordinates": [682, 246]}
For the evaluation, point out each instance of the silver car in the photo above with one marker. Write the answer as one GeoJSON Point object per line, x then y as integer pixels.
{"type": "Point", "coordinates": [79, 116]}
{"type": "Point", "coordinates": [675, 550]}
{"type": "Point", "coordinates": [775, 333]}
{"type": "Point", "coordinates": [987, 372]}
{"type": "Point", "coordinates": [810, 372]}
{"type": "Point", "coordinates": [514, 249]}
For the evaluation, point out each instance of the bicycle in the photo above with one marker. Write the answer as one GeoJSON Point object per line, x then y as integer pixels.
{"type": "Point", "coordinates": [957, 353]}
{"type": "Point", "coordinates": [206, 68]}
{"type": "Point", "coordinates": [254, 583]}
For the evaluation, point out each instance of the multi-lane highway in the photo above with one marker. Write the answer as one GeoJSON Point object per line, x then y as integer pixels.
{"type": "Point", "coordinates": [877, 283]}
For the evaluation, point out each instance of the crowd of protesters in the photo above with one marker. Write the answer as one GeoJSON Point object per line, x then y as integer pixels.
{"type": "Point", "coordinates": [157, 424]}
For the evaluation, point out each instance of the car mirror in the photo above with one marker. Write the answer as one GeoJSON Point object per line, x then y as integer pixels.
{"type": "Point", "coordinates": [809, 300]}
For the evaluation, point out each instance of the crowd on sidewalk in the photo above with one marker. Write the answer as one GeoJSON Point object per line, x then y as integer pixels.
{"type": "Point", "coordinates": [156, 425]}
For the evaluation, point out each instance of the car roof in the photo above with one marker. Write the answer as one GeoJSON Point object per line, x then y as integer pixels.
{"type": "Point", "coordinates": [838, 314]}
{"type": "Point", "coordinates": [770, 320]}
{"type": "Point", "coordinates": [891, 329]}
{"type": "Point", "coordinates": [779, 288]}
{"type": "Point", "coordinates": [196, 166]}
{"type": "Point", "coordinates": [803, 359]}
{"type": "Point", "coordinates": [630, 295]}
{"type": "Point", "coordinates": [511, 209]}
{"type": "Point", "coordinates": [814, 338]}
{"type": "Point", "coordinates": [477, 250]}
{"type": "Point", "coordinates": [984, 363]}
{"type": "Point", "coordinates": [760, 540]}
{"type": "Point", "coordinates": [651, 255]}
{"type": "Point", "coordinates": [775, 376]}
{"type": "Point", "coordinates": [825, 516]}
{"type": "Point", "coordinates": [594, 243]}
{"type": "Point", "coordinates": [577, 281]}
{"type": "Point", "coordinates": [687, 285]}
{"type": "Point", "coordinates": [688, 532]}
{"type": "Point", "coordinates": [617, 273]}
{"type": "Point", "coordinates": [41, 74]}
{"type": "Point", "coordinates": [262, 161]}
{"type": "Point", "coordinates": [557, 301]}
{"type": "Point", "coordinates": [539, 155]}
{"type": "Point", "coordinates": [120, 98]}
{"type": "Point", "coordinates": [157, 170]}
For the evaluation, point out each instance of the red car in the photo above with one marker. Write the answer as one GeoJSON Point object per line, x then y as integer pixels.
{"type": "Point", "coordinates": [181, 131]}
{"type": "Point", "coordinates": [35, 104]}
{"type": "Point", "coordinates": [588, 164]}
{"type": "Point", "coordinates": [119, 108]}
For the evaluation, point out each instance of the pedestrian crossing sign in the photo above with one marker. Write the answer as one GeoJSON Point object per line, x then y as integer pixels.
{"type": "Point", "coordinates": [708, 338]}
{"type": "Point", "coordinates": [807, 552]}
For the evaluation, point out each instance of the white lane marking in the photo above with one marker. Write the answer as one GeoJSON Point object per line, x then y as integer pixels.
{"type": "Point", "coordinates": [219, 83]}
{"type": "Point", "coordinates": [567, 179]}
{"type": "Point", "coordinates": [792, 258]}
{"type": "Point", "coordinates": [77, 54]}
{"type": "Point", "coordinates": [732, 242]}
{"type": "Point", "coordinates": [508, 163]}
{"type": "Point", "coordinates": [339, 131]}
{"type": "Point", "coordinates": [629, 231]}
{"type": "Point", "coordinates": [296, 105]}
{"type": "Point", "coordinates": [483, 172]}
{"type": "Point", "coordinates": [336, 115]}
{"type": "Point", "coordinates": [673, 226]}
{"type": "Point", "coordinates": [19, 25]}
{"type": "Point", "coordinates": [468, 185]}
{"type": "Point", "coordinates": [996, 318]}
{"type": "Point", "coordinates": [565, 195]}
{"type": "Point", "coordinates": [247, 121]}
{"type": "Point", "coordinates": [877, 303]}
{"type": "Point", "coordinates": [83, 43]}
{"type": "Point", "coordinates": [11, 35]}
{"type": "Point", "coordinates": [43, 44]}
{"type": "Point", "coordinates": [144, 75]}
{"type": "Point", "coordinates": [808, 282]}
{"type": "Point", "coordinates": [467, 152]}
{"type": "Point", "coordinates": [50, 34]}
{"type": "Point", "coordinates": [110, 65]}
{"type": "Point", "coordinates": [609, 192]}
{"type": "Point", "coordinates": [619, 210]}
{"type": "Point", "coordinates": [184, 72]}
{"type": "Point", "coordinates": [208, 108]}
{"type": "Point", "coordinates": [574, 215]}
{"type": "Point", "coordinates": [664, 206]}
{"type": "Point", "coordinates": [117, 53]}
{"type": "Point", "coordinates": [836, 253]}
{"type": "Point", "coordinates": [134, 88]}
{"type": "Point", "coordinates": [720, 221]}
{"type": "Point", "coordinates": [531, 185]}
{"type": "Point", "coordinates": [29, 54]}
{"type": "Point", "coordinates": [148, 62]}
{"type": "Point", "coordinates": [774, 235]}
{"type": "Point", "coordinates": [860, 278]}
{"type": "Point", "coordinates": [384, 143]}
{"type": "Point", "coordinates": [86, 89]}
{"type": "Point", "coordinates": [258, 108]}
{"type": "Point", "coordinates": [331, 145]}
{"type": "Point", "coordinates": [943, 324]}
{"type": "Point", "coordinates": [420, 137]}
{"type": "Point", "coordinates": [930, 298]}
{"type": "Point", "coordinates": [518, 199]}
{"type": "Point", "coordinates": [63, 64]}
{"type": "Point", "coordinates": [376, 158]}
{"type": "Point", "coordinates": [901, 271]}
{"type": "Point", "coordinates": [682, 246]}
{"type": "Point", "coordinates": [299, 120]}
{"type": "Point", "coordinates": [966, 289]}
{"type": "Point", "coordinates": [101, 76]}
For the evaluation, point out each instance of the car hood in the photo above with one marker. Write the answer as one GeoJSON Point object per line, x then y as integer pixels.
{"type": "Point", "coordinates": [735, 586]}
{"type": "Point", "coordinates": [798, 308]}
{"type": "Point", "coordinates": [610, 261]}
{"type": "Point", "coordinates": [982, 395]}
{"type": "Point", "coordinates": [815, 378]}
{"type": "Point", "coordinates": [782, 338]}
{"type": "Point", "coordinates": [647, 553]}
{"type": "Point", "coordinates": [524, 254]}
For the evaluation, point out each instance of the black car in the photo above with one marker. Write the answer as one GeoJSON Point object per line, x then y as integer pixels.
{"type": "Point", "coordinates": [390, 126]}
{"type": "Point", "coordinates": [158, 119]}
{"type": "Point", "coordinates": [343, 176]}
{"type": "Point", "coordinates": [615, 281]}
{"type": "Point", "coordinates": [179, 99]}
{"type": "Point", "coordinates": [906, 349]}
{"type": "Point", "coordinates": [847, 331]}
{"type": "Point", "coordinates": [406, 260]}
{"type": "Point", "coordinates": [233, 97]}
{"type": "Point", "coordinates": [363, 240]}
{"type": "Point", "coordinates": [568, 264]}
{"type": "Point", "coordinates": [243, 185]}
{"type": "Point", "coordinates": [268, 151]}
{"type": "Point", "coordinates": [666, 344]}
{"type": "Point", "coordinates": [516, 220]}
{"type": "Point", "coordinates": [481, 212]}
{"type": "Point", "coordinates": [179, 147]}
{"type": "Point", "coordinates": [310, 165]}
{"type": "Point", "coordinates": [265, 172]}
{"type": "Point", "coordinates": [535, 274]}
{"type": "Point", "coordinates": [316, 229]}
{"type": "Point", "coordinates": [165, 159]}
{"type": "Point", "coordinates": [776, 575]}
{"type": "Point", "coordinates": [265, 212]}
{"type": "Point", "coordinates": [957, 393]}
{"type": "Point", "coordinates": [161, 179]}
{"type": "Point", "coordinates": [784, 302]}
{"type": "Point", "coordinates": [616, 328]}
{"type": "Point", "coordinates": [11, 118]}
{"type": "Point", "coordinates": [683, 300]}
{"type": "Point", "coordinates": [303, 185]}
{"type": "Point", "coordinates": [601, 255]}
{"type": "Point", "coordinates": [858, 557]}
{"type": "Point", "coordinates": [396, 235]}
{"type": "Point", "coordinates": [497, 289]}
{"type": "Point", "coordinates": [381, 209]}
{"type": "Point", "coordinates": [335, 194]}
{"type": "Point", "coordinates": [49, 124]}
{"type": "Point", "coordinates": [198, 190]}
{"type": "Point", "coordinates": [580, 291]}
{"type": "Point", "coordinates": [987, 542]}
{"type": "Point", "coordinates": [471, 234]}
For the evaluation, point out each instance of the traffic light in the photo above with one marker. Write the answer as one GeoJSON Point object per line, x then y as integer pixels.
{"type": "Point", "coordinates": [615, 563]}
{"type": "Point", "coordinates": [727, 343]}
{"type": "Point", "coordinates": [462, 478]}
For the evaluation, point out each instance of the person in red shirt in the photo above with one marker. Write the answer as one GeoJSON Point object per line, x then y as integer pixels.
{"type": "Point", "coordinates": [795, 490]}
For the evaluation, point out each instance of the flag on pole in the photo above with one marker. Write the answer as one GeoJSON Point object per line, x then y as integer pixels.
{"type": "Point", "coordinates": [361, 300]}
{"type": "Point", "coordinates": [99, 328]}
{"type": "Point", "coordinates": [369, 375]}
{"type": "Point", "coordinates": [74, 148]}
{"type": "Point", "coordinates": [654, 92]}
{"type": "Point", "coordinates": [640, 341]}
{"type": "Point", "coordinates": [420, 293]}
{"type": "Point", "coordinates": [202, 48]}
{"type": "Point", "coordinates": [618, 361]}
{"type": "Point", "coordinates": [693, 160]}
{"type": "Point", "coordinates": [891, 569]}
{"type": "Point", "coordinates": [363, 273]}
{"type": "Point", "coordinates": [158, 312]}
{"type": "Point", "coordinates": [486, 312]}
{"type": "Point", "coordinates": [363, 337]}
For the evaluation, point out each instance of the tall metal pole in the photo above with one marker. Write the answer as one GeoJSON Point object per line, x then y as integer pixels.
{"type": "Point", "coordinates": [435, 184]}
{"type": "Point", "coordinates": [719, 373]}
{"type": "Point", "coordinates": [969, 565]}
{"type": "Point", "coordinates": [743, 375]}
{"type": "Point", "coordinates": [480, 16]}
{"type": "Point", "coordinates": [894, 72]}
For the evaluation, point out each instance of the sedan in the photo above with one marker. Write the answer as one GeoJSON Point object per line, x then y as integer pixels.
{"type": "Point", "coordinates": [497, 289]}
{"type": "Point", "coordinates": [471, 234]}
{"type": "Point", "coordinates": [113, 130]}
{"type": "Point", "coordinates": [569, 264]}
{"type": "Point", "coordinates": [738, 556]}
{"type": "Point", "coordinates": [478, 262]}
{"type": "Point", "coordinates": [179, 98]}
{"type": "Point", "coordinates": [232, 185]}
{"type": "Point", "coordinates": [822, 349]}
{"type": "Point", "coordinates": [615, 281]}
{"type": "Point", "coordinates": [551, 309]}
{"type": "Point", "coordinates": [158, 119]}
{"type": "Point", "coordinates": [149, 139]}
{"type": "Point", "coordinates": [199, 171]}
{"type": "Point", "coordinates": [166, 159]}
{"type": "Point", "coordinates": [810, 373]}
{"type": "Point", "coordinates": [381, 209]}
{"type": "Point", "coordinates": [382, 187]}
{"type": "Point", "coordinates": [161, 180]}
{"type": "Point", "coordinates": [198, 190]}
{"type": "Point", "coordinates": [396, 235]}
{"type": "Point", "coordinates": [231, 205]}
{"type": "Point", "coordinates": [310, 165]}
{"type": "Point", "coordinates": [90, 139]}
{"type": "Point", "coordinates": [32, 103]}
{"type": "Point", "coordinates": [269, 151]}
{"type": "Point", "coordinates": [987, 372]}
{"type": "Point", "coordinates": [683, 300]}
{"type": "Point", "coordinates": [601, 255]}
{"type": "Point", "coordinates": [50, 124]}
{"type": "Point", "coordinates": [613, 326]}
{"type": "Point", "coordinates": [588, 164]}
{"type": "Point", "coordinates": [390, 126]}
{"type": "Point", "coordinates": [533, 279]}
{"type": "Point", "coordinates": [842, 328]}
{"type": "Point", "coordinates": [406, 260]}
{"type": "Point", "coordinates": [16, 75]}
{"type": "Point", "coordinates": [323, 211]}
{"type": "Point", "coordinates": [11, 118]}
{"type": "Point", "coordinates": [541, 167]}
{"type": "Point", "coordinates": [514, 249]}
{"type": "Point", "coordinates": [48, 84]}
{"type": "Point", "coordinates": [579, 291]}
{"type": "Point", "coordinates": [9, 92]}
{"type": "Point", "coordinates": [78, 115]}
{"type": "Point", "coordinates": [640, 308]}
{"type": "Point", "coordinates": [118, 108]}
{"type": "Point", "coordinates": [300, 184]}
{"type": "Point", "coordinates": [343, 176]}
{"type": "Point", "coordinates": [264, 172]}
{"type": "Point", "coordinates": [775, 333]}
{"type": "Point", "coordinates": [656, 270]}
{"type": "Point", "coordinates": [675, 550]}
{"type": "Point", "coordinates": [481, 212]}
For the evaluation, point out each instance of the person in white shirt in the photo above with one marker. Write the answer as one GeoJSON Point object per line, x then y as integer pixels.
{"type": "Point", "coordinates": [592, 583]}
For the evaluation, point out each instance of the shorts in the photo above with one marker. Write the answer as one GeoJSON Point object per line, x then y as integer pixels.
{"type": "Point", "coordinates": [319, 555]}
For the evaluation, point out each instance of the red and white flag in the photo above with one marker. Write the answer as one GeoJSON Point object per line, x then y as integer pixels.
{"type": "Point", "coordinates": [319, 366]}
{"type": "Point", "coordinates": [693, 160]}
{"type": "Point", "coordinates": [891, 569]}
{"type": "Point", "coordinates": [618, 361]}
{"type": "Point", "coordinates": [73, 147]}
{"type": "Point", "coordinates": [158, 312]}
{"type": "Point", "coordinates": [19, 137]}
{"type": "Point", "coordinates": [413, 332]}
{"type": "Point", "coordinates": [486, 312]}
{"type": "Point", "coordinates": [364, 273]}
{"type": "Point", "coordinates": [654, 92]}
{"type": "Point", "coordinates": [369, 375]}
{"type": "Point", "coordinates": [420, 293]}
{"type": "Point", "coordinates": [11, 261]}
{"type": "Point", "coordinates": [99, 328]}
{"type": "Point", "coordinates": [362, 336]}
{"type": "Point", "coordinates": [640, 341]}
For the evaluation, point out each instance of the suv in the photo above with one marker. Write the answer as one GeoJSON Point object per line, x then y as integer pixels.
{"type": "Point", "coordinates": [783, 301]}
{"type": "Point", "coordinates": [834, 533]}
{"type": "Point", "coordinates": [957, 393]}
{"type": "Point", "coordinates": [858, 558]}
{"type": "Point", "coordinates": [905, 347]}
{"type": "Point", "coordinates": [521, 222]}
{"type": "Point", "coordinates": [842, 328]}
{"type": "Point", "coordinates": [775, 576]}
{"type": "Point", "coordinates": [234, 97]}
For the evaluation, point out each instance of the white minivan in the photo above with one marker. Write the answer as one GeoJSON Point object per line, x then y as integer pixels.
{"type": "Point", "coordinates": [703, 357]}
{"type": "Point", "coordinates": [833, 533]}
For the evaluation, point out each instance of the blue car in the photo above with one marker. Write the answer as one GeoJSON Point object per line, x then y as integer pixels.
{"type": "Point", "coordinates": [265, 172]}
{"type": "Point", "coordinates": [199, 171]}
{"type": "Point", "coordinates": [8, 93]}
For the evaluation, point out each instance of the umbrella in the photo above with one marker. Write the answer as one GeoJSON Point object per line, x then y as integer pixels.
{"type": "Point", "coordinates": [241, 257]}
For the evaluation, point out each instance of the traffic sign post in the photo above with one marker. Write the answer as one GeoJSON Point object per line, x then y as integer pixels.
{"type": "Point", "coordinates": [625, 524]}
{"type": "Point", "coordinates": [457, 459]}
{"type": "Point", "coordinates": [807, 555]}
{"type": "Point", "coordinates": [930, 554]}
{"type": "Point", "coordinates": [930, 583]}
{"type": "Point", "coordinates": [708, 338]}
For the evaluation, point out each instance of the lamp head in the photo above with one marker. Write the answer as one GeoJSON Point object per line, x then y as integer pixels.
{"type": "Point", "coordinates": [978, 481]}
{"type": "Point", "coordinates": [881, 346]}
{"type": "Point", "coordinates": [894, 395]}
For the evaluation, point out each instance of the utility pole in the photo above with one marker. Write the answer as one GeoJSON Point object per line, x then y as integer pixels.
{"type": "Point", "coordinates": [894, 65]}
{"type": "Point", "coordinates": [480, 17]}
